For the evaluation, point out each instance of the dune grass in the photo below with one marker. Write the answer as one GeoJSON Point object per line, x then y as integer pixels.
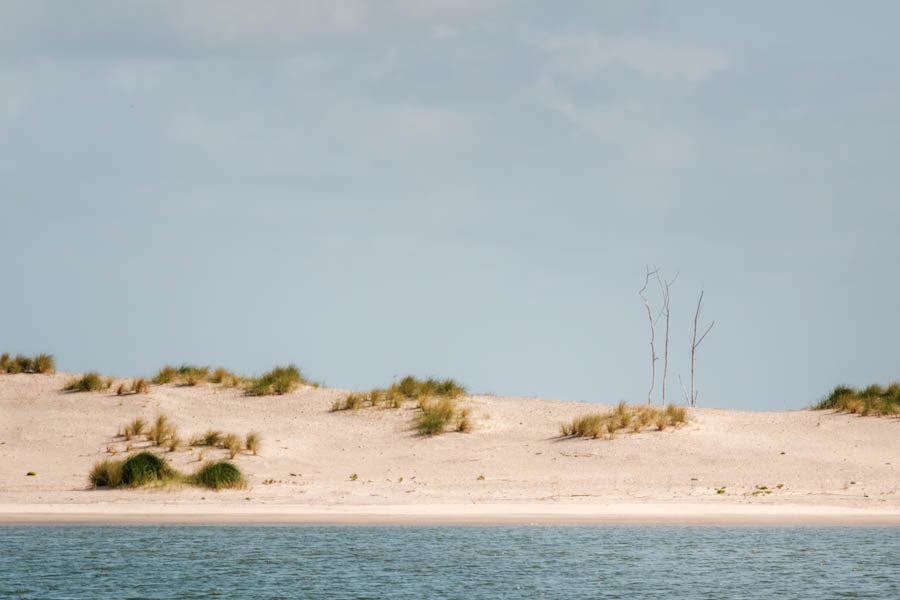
{"type": "Point", "coordinates": [41, 363]}
{"type": "Point", "coordinates": [162, 431]}
{"type": "Point", "coordinates": [278, 381]}
{"type": "Point", "coordinates": [89, 382]}
{"type": "Point", "coordinates": [623, 417]}
{"type": "Point", "coordinates": [873, 400]}
{"type": "Point", "coordinates": [217, 476]}
{"type": "Point", "coordinates": [408, 389]}
{"type": "Point", "coordinates": [212, 437]}
{"type": "Point", "coordinates": [252, 442]}
{"type": "Point", "coordinates": [146, 468]}
{"type": "Point", "coordinates": [438, 414]}
{"type": "Point", "coordinates": [133, 429]}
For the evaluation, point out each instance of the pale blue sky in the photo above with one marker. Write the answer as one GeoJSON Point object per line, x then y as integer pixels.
{"type": "Point", "coordinates": [455, 188]}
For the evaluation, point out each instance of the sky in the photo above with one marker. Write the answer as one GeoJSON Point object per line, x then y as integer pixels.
{"type": "Point", "coordinates": [456, 188]}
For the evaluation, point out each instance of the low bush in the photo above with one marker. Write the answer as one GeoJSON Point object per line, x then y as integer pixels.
{"type": "Point", "coordinates": [278, 381]}
{"type": "Point", "coordinates": [144, 468]}
{"type": "Point", "coordinates": [874, 400]}
{"type": "Point", "coordinates": [624, 418]}
{"type": "Point", "coordinates": [217, 476]}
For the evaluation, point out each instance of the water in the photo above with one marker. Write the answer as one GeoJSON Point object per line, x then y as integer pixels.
{"type": "Point", "coordinates": [338, 562]}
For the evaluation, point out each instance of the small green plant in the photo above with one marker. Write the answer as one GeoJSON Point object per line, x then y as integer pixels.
{"type": "Point", "coordinates": [217, 476]}
{"type": "Point", "coordinates": [720, 490]}
{"type": "Point", "coordinates": [252, 442]}
{"type": "Point", "coordinates": [278, 381]}
{"type": "Point", "coordinates": [89, 382]}
{"type": "Point", "coordinates": [354, 477]}
{"type": "Point", "coordinates": [480, 478]}
{"type": "Point", "coordinates": [30, 474]}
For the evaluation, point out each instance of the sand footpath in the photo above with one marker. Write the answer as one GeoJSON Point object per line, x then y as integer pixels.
{"type": "Point", "coordinates": [315, 466]}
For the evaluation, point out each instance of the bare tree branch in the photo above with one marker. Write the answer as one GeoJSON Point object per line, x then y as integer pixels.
{"type": "Point", "coordinates": [695, 343]}
{"type": "Point", "coordinates": [643, 294]}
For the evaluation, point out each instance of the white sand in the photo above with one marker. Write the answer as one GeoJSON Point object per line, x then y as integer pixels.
{"type": "Point", "coordinates": [832, 468]}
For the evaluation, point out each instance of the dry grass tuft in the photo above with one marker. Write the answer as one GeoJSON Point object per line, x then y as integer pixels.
{"type": "Point", "coordinates": [437, 414]}
{"type": "Point", "coordinates": [252, 442]}
{"type": "Point", "coordinates": [89, 382]}
{"type": "Point", "coordinates": [278, 381]}
{"type": "Point", "coordinates": [623, 418]}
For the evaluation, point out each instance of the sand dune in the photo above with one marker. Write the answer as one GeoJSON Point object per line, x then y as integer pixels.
{"type": "Point", "coordinates": [512, 468]}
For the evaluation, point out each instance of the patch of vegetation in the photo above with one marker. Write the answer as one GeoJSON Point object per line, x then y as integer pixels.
{"type": "Point", "coordinates": [133, 429]}
{"type": "Point", "coordinates": [224, 377]}
{"type": "Point", "coordinates": [354, 477]}
{"type": "Point", "coordinates": [162, 431]}
{"type": "Point", "coordinates": [89, 382]}
{"type": "Point", "coordinates": [720, 490]}
{"type": "Point", "coordinates": [278, 381]}
{"type": "Point", "coordinates": [233, 444]}
{"type": "Point", "coordinates": [42, 363]}
{"type": "Point", "coordinates": [252, 442]}
{"type": "Point", "coordinates": [624, 417]}
{"type": "Point", "coordinates": [212, 437]}
{"type": "Point", "coordinates": [874, 400]}
{"type": "Point", "coordinates": [30, 474]}
{"type": "Point", "coordinates": [106, 473]}
{"type": "Point", "coordinates": [145, 467]}
{"type": "Point", "coordinates": [217, 476]}
{"type": "Point", "coordinates": [408, 389]}
{"type": "Point", "coordinates": [439, 413]}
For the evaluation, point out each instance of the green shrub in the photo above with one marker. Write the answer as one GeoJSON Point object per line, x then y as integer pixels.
{"type": "Point", "coordinates": [24, 364]}
{"type": "Point", "coordinates": [4, 362]}
{"type": "Point", "coordinates": [89, 382]}
{"type": "Point", "coordinates": [218, 475]}
{"type": "Point", "coordinates": [278, 381]}
{"type": "Point", "coordinates": [144, 468]}
{"type": "Point", "coordinates": [106, 473]}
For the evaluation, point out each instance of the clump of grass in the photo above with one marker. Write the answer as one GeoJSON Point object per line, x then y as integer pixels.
{"type": "Point", "coordinates": [874, 400]}
{"type": "Point", "coordinates": [133, 429]}
{"type": "Point", "coordinates": [161, 430]}
{"type": "Point", "coordinates": [121, 390]}
{"type": "Point", "coordinates": [233, 444]}
{"type": "Point", "coordinates": [224, 377]}
{"type": "Point", "coordinates": [278, 381]}
{"type": "Point", "coordinates": [212, 437]}
{"type": "Point", "coordinates": [4, 362]}
{"type": "Point", "coordinates": [623, 417]}
{"type": "Point", "coordinates": [167, 374]}
{"type": "Point", "coordinates": [89, 382]}
{"type": "Point", "coordinates": [252, 442]}
{"type": "Point", "coordinates": [144, 468]}
{"type": "Point", "coordinates": [439, 413]}
{"type": "Point", "coordinates": [44, 363]}
{"type": "Point", "coordinates": [352, 402]}
{"type": "Point", "coordinates": [217, 476]}
{"type": "Point", "coordinates": [106, 473]}
{"type": "Point", "coordinates": [140, 386]}
{"type": "Point", "coordinates": [191, 375]}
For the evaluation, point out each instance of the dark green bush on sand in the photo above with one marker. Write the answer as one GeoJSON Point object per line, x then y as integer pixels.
{"type": "Point", "coordinates": [217, 476]}
{"type": "Point", "coordinates": [144, 468]}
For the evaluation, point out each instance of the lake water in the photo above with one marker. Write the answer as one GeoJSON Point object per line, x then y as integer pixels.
{"type": "Point", "coordinates": [449, 562]}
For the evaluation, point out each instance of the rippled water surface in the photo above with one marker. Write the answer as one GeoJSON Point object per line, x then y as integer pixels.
{"type": "Point", "coordinates": [448, 562]}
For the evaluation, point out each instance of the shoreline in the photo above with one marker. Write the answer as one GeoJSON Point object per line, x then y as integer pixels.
{"type": "Point", "coordinates": [446, 514]}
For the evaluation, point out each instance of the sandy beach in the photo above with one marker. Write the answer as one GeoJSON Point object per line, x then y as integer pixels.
{"type": "Point", "coordinates": [723, 467]}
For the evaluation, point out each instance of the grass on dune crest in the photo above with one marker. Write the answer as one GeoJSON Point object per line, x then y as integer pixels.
{"type": "Point", "coordinates": [278, 381]}
{"type": "Point", "coordinates": [217, 476]}
{"type": "Point", "coordinates": [89, 382]}
{"type": "Point", "coordinates": [623, 417]}
{"type": "Point", "coordinates": [438, 414]}
{"type": "Point", "coordinates": [873, 400]}
{"type": "Point", "coordinates": [42, 363]}
{"type": "Point", "coordinates": [408, 389]}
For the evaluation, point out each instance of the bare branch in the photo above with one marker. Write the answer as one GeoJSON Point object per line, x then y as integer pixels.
{"type": "Point", "coordinates": [642, 293]}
